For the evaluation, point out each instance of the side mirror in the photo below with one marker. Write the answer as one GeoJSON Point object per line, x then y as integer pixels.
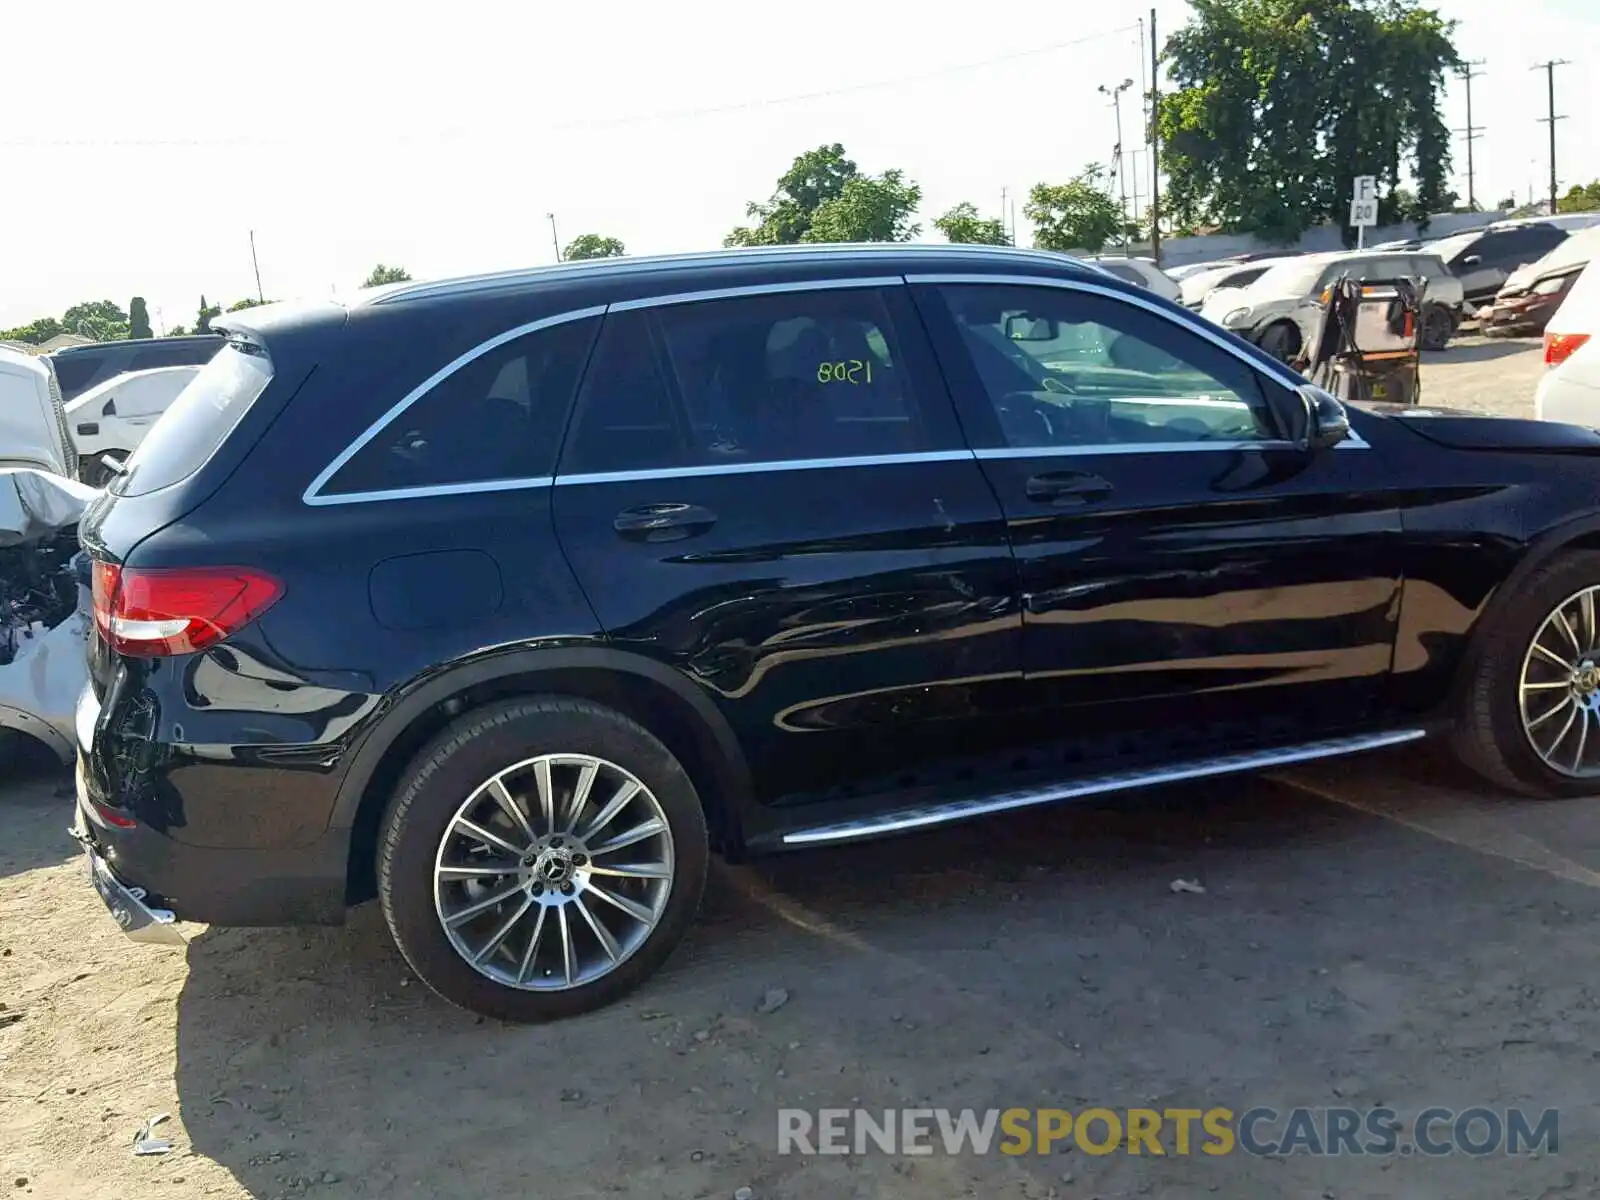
{"type": "Point", "coordinates": [1472, 260]}
{"type": "Point", "coordinates": [110, 409]}
{"type": "Point", "coordinates": [1327, 423]}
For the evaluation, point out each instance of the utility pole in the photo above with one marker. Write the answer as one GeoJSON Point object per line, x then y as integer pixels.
{"type": "Point", "coordinates": [553, 238]}
{"type": "Point", "coordinates": [1549, 69]}
{"type": "Point", "coordinates": [1472, 132]}
{"type": "Point", "coordinates": [260, 295]}
{"type": "Point", "coordinates": [1122, 179]}
{"type": "Point", "coordinates": [1010, 237]}
{"type": "Point", "coordinates": [1133, 170]}
{"type": "Point", "coordinates": [1155, 144]}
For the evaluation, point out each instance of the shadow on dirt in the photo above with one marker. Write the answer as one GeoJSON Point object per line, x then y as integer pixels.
{"type": "Point", "coordinates": [310, 1054]}
{"type": "Point", "coordinates": [1479, 350]}
{"type": "Point", "coordinates": [1043, 958]}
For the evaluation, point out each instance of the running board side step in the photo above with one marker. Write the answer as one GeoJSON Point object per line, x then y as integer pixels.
{"type": "Point", "coordinates": [924, 815]}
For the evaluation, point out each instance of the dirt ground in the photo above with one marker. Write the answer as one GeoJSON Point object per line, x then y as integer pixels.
{"type": "Point", "coordinates": [1381, 931]}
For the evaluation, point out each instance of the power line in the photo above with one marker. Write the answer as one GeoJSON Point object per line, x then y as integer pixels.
{"type": "Point", "coordinates": [1549, 69]}
{"type": "Point", "coordinates": [631, 119]}
{"type": "Point", "coordinates": [1471, 132]}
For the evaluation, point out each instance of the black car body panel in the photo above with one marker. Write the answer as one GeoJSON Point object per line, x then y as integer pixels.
{"type": "Point", "coordinates": [789, 631]}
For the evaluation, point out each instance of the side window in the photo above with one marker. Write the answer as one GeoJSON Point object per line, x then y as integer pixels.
{"type": "Point", "coordinates": [1125, 273]}
{"type": "Point", "coordinates": [1067, 368]}
{"type": "Point", "coordinates": [1538, 241]}
{"type": "Point", "coordinates": [495, 417]}
{"type": "Point", "coordinates": [75, 372]}
{"type": "Point", "coordinates": [1492, 248]}
{"type": "Point", "coordinates": [769, 378]}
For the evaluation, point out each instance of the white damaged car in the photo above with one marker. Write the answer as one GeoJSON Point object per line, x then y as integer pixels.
{"type": "Point", "coordinates": [44, 604]}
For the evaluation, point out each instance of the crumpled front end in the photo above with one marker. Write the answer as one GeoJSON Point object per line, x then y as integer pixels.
{"type": "Point", "coordinates": [44, 605]}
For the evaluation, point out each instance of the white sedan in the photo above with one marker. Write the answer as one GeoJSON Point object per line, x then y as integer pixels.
{"type": "Point", "coordinates": [1570, 389]}
{"type": "Point", "coordinates": [111, 418]}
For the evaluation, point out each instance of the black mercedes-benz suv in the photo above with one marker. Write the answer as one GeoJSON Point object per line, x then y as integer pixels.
{"type": "Point", "coordinates": [508, 599]}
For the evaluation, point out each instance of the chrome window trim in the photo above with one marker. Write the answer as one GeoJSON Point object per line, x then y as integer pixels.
{"type": "Point", "coordinates": [751, 468]}
{"type": "Point", "coordinates": [1105, 448]}
{"type": "Point", "coordinates": [757, 289]}
{"type": "Point", "coordinates": [313, 493]}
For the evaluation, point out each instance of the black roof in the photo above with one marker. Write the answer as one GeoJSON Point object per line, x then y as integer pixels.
{"type": "Point", "coordinates": [476, 306]}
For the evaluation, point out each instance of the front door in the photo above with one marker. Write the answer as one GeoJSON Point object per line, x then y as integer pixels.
{"type": "Point", "coordinates": [770, 493]}
{"type": "Point", "coordinates": [1183, 564]}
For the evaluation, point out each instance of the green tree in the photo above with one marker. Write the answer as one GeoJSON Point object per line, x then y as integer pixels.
{"type": "Point", "coordinates": [382, 274]}
{"type": "Point", "coordinates": [1280, 104]}
{"type": "Point", "coordinates": [247, 302]}
{"type": "Point", "coordinates": [98, 320]}
{"type": "Point", "coordinates": [178, 331]}
{"type": "Point", "coordinates": [1580, 198]}
{"type": "Point", "coordinates": [592, 245]}
{"type": "Point", "coordinates": [869, 208]}
{"type": "Point", "coordinates": [139, 319]}
{"type": "Point", "coordinates": [824, 197]}
{"type": "Point", "coordinates": [1078, 215]}
{"type": "Point", "coordinates": [35, 333]}
{"type": "Point", "coordinates": [963, 224]}
{"type": "Point", "coordinates": [202, 323]}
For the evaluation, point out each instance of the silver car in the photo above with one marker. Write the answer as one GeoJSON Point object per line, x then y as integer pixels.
{"type": "Point", "coordinates": [1280, 310]}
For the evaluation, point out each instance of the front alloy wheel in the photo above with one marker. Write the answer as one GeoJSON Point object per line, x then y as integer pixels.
{"type": "Point", "coordinates": [553, 872]}
{"type": "Point", "coordinates": [1559, 691]}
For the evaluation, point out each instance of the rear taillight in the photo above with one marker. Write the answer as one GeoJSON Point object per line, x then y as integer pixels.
{"type": "Point", "coordinates": [151, 613]}
{"type": "Point", "coordinates": [1558, 347]}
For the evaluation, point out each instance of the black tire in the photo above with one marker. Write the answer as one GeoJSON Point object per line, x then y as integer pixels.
{"type": "Point", "coordinates": [1488, 735]}
{"type": "Point", "coordinates": [1438, 327]}
{"type": "Point", "coordinates": [1281, 339]}
{"type": "Point", "coordinates": [469, 751]}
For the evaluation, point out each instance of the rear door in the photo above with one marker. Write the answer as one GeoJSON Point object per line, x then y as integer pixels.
{"type": "Point", "coordinates": [770, 493]}
{"type": "Point", "coordinates": [1181, 562]}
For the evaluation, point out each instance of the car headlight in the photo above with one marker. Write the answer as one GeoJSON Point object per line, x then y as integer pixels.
{"type": "Point", "coordinates": [1237, 316]}
{"type": "Point", "coordinates": [1548, 287]}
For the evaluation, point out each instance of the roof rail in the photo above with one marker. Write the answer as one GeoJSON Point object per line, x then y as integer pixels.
{"type": "Point", "coordinates": [662, 263]}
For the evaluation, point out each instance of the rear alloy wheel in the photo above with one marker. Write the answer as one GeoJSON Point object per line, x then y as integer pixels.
{"type": "Point", "coordinates": [1438, 327]}
{"type": "Point", "coordinates": [1530, 711]}
{"type": "Point", "coordinates": [546, 856]}
{"type": "Point", "coordinates": [553, 872]}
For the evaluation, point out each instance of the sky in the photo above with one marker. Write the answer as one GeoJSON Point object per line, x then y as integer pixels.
{"type": "Point", "coordinates": [145, 142]}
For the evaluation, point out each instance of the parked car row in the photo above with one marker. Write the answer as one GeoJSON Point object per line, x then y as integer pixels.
{"type": "Point", "coordinates": [1510, 274]}
{"type": "Point", "coordinates": [1280, 309]}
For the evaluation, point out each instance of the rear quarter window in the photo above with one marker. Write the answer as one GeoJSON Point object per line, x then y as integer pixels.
{"type": "Point", "coordinates": [198, 421]}
{"type": "Point", "coordinates": [75, 372]}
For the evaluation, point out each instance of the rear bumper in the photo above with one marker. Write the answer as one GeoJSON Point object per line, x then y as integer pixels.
{"type": "Point", "coordinates": [127, 905]}
{"type": "Point", "coordinates": [148, 868]}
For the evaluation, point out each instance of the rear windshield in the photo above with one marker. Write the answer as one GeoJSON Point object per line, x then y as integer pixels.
{"type": "Point", "coordinates": [74, 372]}
{"type": "Point", "coordinates": [198, 421]}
